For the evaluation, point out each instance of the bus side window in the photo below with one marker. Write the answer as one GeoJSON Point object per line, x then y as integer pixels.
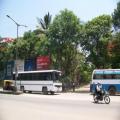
{"type": "Point", "coordinates": [48, 76]}
{"type": "Point", "coordinates": [108, 76]}
{"type": "Point", "coordinates": [98, 76]}
{"type": "Point", "coordinates": [117, 76]}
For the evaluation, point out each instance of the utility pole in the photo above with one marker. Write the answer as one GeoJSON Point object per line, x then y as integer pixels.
{"type": "Point", "coordinates": [16, 56]}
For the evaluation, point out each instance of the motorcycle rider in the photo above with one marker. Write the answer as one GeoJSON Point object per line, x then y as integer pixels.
{"type": "Point", "coordinates": [100, 94]}
{"type": "Point", "coordinates": [98, 89]}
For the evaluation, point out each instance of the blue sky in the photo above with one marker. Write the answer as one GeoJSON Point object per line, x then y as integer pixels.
{"type": "Point", "coordinates": [26, 11]}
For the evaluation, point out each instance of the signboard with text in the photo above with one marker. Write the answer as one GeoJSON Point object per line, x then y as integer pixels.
{"type": "Point", "coordinates": [43, 62]}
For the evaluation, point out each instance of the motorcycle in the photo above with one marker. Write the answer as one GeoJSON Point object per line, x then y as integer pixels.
{"type": "Point", "coordinates": [104, 96]}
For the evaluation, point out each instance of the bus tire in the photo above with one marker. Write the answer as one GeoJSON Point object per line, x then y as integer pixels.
{"type": "Point", "coordinates": [112, 90]}
{"type": "Point", "coordinates": [29, 91]}
{"type": "Point", "coordinates": [14, 88]}
{"type": "Point", "coordinates": [52, 92]}
{"type": "Point", "coordinates": [44, 91]}
{"type": "Point", "coordinates": [22, 89]}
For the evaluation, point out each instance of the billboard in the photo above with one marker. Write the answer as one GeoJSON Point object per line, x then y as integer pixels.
{"type": "Point", "coordinates": [30, 64]}
{"type": "Point", "coordinates": [20, 65]}
{"type": "Point", "coordinates": [9, 69]}
{"type": "Point", "coordinates": [43, 62]}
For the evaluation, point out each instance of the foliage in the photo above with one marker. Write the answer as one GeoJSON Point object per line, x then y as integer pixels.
{"type": "Point", "coordinates": [44, 23]}
{"type": "Point", "coordinates": [64, 35]}
{"type": "Point", "coordinates": [97, 33]}
{"type": "Point", "coordinates": [116, 17]}
{"type": "Point", "coordinates": [5, 54]}
{"type": "Point", "coordinates": [32, 45]}
{"type": "Point", "coordinates": [115, 56]}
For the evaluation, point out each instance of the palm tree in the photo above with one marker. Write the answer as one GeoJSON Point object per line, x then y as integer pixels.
{"type": "Point", "coordinates": [43, 27]}
{"type": "Point", "coordinates": [44, 23]}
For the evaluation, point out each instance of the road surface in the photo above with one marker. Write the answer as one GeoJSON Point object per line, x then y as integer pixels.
{"type": "Point", "coordinates": [64, 106]}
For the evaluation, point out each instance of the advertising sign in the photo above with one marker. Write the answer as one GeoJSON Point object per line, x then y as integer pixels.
{"type": "Point", "coordinates": [43, 62]}
{"type": "Point", "coordinates": [30, 65]}
{"type": "Point", "coordinates": [20, 65]}
{"type": "Point", "coordinates": [9, 69]}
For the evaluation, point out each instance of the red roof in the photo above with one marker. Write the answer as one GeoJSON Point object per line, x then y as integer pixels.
{"type": "Point", "coordinates": [6, 40]}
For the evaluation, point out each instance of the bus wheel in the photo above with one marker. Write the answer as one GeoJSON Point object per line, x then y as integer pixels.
{"type": "Point", "coordinates": [112, 90]}
{"type": "Point", "coordinates": [29, 91]}
{"type": "Point", "coordinates": [51, 92]}
{"type": "Point", "coordinates": [13, 88]}
{"type": "Point", "coordinates": [44, 91]}
{"type": "Point", "coordinates": [22, 88]}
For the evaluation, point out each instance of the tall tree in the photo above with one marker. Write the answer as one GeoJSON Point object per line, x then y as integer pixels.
{"type": "Point", "coordinates": [32, 45]}
{"type": "Point", "coordinates": [64, 35]}
{"type": "Point", "coordinates": [115, 56]}
{"type": "Point", "coordinates": [116, 38]}
{"type": "Point", "coordinates": [116, 17]}
{"type": "Point", "coordinates": [44, 23]}
{"type": "Point", "coordinates": [97, 34]}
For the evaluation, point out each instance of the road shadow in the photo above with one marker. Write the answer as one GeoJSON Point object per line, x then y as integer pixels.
{"type": "Point", "coordinates": [40, 93]}
{"type": "Point", "coordinates": [115, 95]}
{"type": "Point", "coordinates": [99, 103]}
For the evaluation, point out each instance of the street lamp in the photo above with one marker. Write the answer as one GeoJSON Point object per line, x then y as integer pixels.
{"type": "Point", "coordinates": [16, 70]}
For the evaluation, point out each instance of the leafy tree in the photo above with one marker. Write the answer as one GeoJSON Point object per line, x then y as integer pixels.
{"type": "Point", "coordinates": [115, 56]}
{"type": "Point", "coordinates": [63, 36]}
{"type": "Point", "coordinates": [5, 54]}
{"type": "Point", "coordinates": [95, 40]}
{"type": "Point", "coordinates": [32, 45]}
{"type": "Point", "coordinates": [116, 17]}
{"type": "Point", "coordinates": [2, 56]}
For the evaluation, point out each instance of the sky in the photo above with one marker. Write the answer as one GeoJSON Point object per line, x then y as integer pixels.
{"type": "Point", "coordinates": [25, 12]}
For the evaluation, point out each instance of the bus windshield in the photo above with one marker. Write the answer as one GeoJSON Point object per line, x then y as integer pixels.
{"type": "Point", "coordinates": [56, 76]}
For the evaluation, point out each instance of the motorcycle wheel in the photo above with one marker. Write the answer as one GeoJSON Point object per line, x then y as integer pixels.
{"type": "Point", "coordinates": [107, 99]}
{"type": "Point", "coordinates": [95, 98]}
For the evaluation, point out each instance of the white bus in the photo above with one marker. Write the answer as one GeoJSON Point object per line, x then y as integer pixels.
{"type": "Point", "coordinates": [43, 80]}
{"type": "Point", "coordinates": [109, 78]}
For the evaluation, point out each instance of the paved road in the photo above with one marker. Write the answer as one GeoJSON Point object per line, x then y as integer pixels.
{"type": "Point", "coordinates": [65, 106]}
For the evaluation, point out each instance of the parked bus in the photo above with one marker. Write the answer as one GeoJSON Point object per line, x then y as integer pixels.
{"type": "Point", "coordinates": [109, 78]}
{"type": "Point", "coordinates": [42, 80]}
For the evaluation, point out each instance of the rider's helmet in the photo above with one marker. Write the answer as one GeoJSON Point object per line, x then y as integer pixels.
{"type": "Point", "coordinates": [98, 86]}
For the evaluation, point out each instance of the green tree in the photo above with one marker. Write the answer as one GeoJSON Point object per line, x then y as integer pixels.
{"type": "Point", "coordinates": [115, 56]}
{"type": "Point", "coordinates": [41, 32]}
{"type": "Point", "coordinates": [95, 40]}
{"type": "Point", "coordinates": [5, 54]}
{"type": "Point", "coordinates": [31, 45]}
{"type": "Point", "coordinates": [44, 23]}
{"type": "Point", "coordinates": [116, 17]}
{"type": "Point", "coordinates": [64, 34]}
